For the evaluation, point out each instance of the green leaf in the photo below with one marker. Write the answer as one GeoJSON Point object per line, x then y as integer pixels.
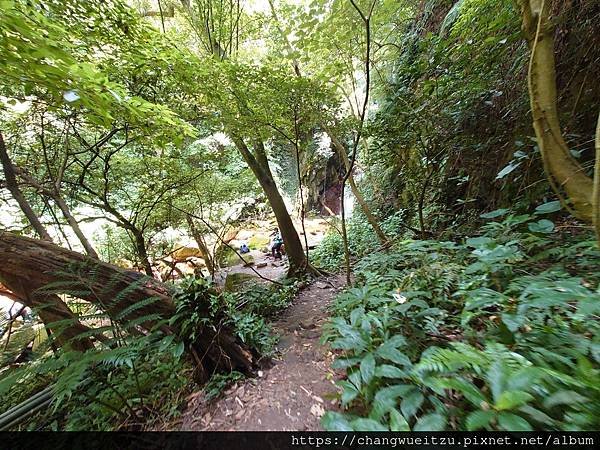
{"type": "Point", "coordinates": [389, 371]}
{"type": "Point", "coordinates": [512, 321]}
{"type": "Point", "coordinates": [564, 398]}
{"type": "Point", "coordinates": [508, 169]}
{"type": "Point", "coordinates": [479, 419]}
{"type": "Point", "coordinates": [344, 363]}
{"type": "Point", "coordinates": [398, 422]}
{"type": "Point", "coordinates": [480, 241]}
{"type": "Point", "coordinates": [494, 214]}
{"type": "Point", "coordinates": [367, 425]}
{"type": "Point", "coordinates": [396, 341]}
{"type": "Point", "coordinates": [431, 422]}
{"type": "Point", "coordinates": [367, 368]}
{"type": "Point", "coordinates": [548, 208]}
{"type": "Point", "coordinates": [178, 351]}
{"type": "Point", "coordinates": [411, 403]}
{"type": "Point", "coordinates": [392, 354]}
{"type": "Point", "coordinates": [356, 315]}
{"type": "Point", "coordinates": [541, 226]}
{"type": "Point", "coordinates": [333, 421]}
{"type": "Point", "coordinates": [537, 415]}
{"type": "Point", "coordinates": [512, 422]}
{"type": "Point", "coordinates": [496, 377]}
{"type": "Point", "coordinates": [356, 379]}
{"type": "Point", "coordinates": [523, 378]}
{"type": "Point", "coordinates": [349, 392]}
{"type": "Point", "coordinates": [466, 388]}
{"type": "Point", "coordinates": [512, 399]}
{"type": "Point", "coordinates": [391, 393]}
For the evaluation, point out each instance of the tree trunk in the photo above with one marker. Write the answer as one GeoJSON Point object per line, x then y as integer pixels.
{"type": "Point", "coordinates": [140, 246]}
{"type": "Point", "coordinates": [596, 194]}
{"type": "Point", "coordinates": [13, 187]}
{"type": "Point", "coordinates": [208, 259]}
{"type": "Point", "coordinates": [55, 314]}
{"type": "Point", "coordinates": [424, 188]}
{"type": "Point", "coordinates": [75, 226]}
{"type": "Point", "coordinates": [122, 294]}
{"type": "Point", "coordinates": [58, 311]}
{"type": "Point", "coordinates": [341, 151]}
{"type": "Point", "coordinates": [559, 164]}
{"type": "Point", "coordinates": [260, 168]}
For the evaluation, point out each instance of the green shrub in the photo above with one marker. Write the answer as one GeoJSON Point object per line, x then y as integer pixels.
{"type": "Point", "coordinates": [495, 333]}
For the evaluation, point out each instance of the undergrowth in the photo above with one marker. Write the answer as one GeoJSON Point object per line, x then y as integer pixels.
{"type": "Point", "coordinates": [139, 381]}
{"type": "Point", "coordinates": [496, 332]}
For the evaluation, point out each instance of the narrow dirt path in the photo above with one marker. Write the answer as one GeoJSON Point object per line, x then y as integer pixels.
{"type": "Point", "coordinates": [294, 393]}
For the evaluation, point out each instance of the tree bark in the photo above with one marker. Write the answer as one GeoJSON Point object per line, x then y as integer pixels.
{"type": "Point", "coordinates": [36, 264]}
{"type": "Point", "coordinates": [54, 194]}
{"type": "Point", "coordinates": [208, 259]}
{"type": "Point", "coordinates": [596, 194]}
{"type": "Point", "coordinates": [260, 167]}
{"type": "Point", "coordinates": [13, 187]}
{"type": "Point", "coordinates": [52, 310]}
{"type": "Point", "coordinates": [559, 164]}
{"type": "Point", "coordinates": [140, 245]}
{"type": "Point", "coordinates": [58, 311]}
{"type": "Point", "coordinates": [341, 151]}
{"type": "Point", "coordinates": [66, 211]}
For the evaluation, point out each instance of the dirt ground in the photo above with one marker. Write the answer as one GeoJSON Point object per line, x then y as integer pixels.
{"type": "Point", "coordinates": [295, 392]}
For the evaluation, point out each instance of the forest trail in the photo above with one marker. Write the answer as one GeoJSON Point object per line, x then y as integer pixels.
{"type": "Point", "coordinates": [295, 392]}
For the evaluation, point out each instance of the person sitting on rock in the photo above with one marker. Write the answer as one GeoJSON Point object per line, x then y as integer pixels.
{"type": "Point", "coordinates": [277, 244]}
{"type": "Point", "coordinates": [244, 248]}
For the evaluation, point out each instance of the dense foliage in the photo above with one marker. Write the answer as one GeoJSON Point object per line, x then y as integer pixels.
{"type": "Point", "coordinates": [453, 146]}
{"type": "Point", "coordinates": [498, 331]}
{"type": "Point", "coordinates": [140, 382]}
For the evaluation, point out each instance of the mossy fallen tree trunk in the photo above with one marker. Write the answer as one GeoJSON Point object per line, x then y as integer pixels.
{"type": "Point", "coordinates": [126, 296]}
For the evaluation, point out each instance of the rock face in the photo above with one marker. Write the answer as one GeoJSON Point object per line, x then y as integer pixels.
{"type": "Point", "coordinates": [323, 182]}
{"type": "Point", "coordinates": [235, 281]}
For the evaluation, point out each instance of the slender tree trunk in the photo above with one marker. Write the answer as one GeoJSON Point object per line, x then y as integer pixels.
{"type": "Point", "coordinates": [260, 168]}
{"type": "Point", "coordinates": [383, 239]}
{"type": "Point", "coordinates": [428, 179]}
{"type": "Point", "coordinates": [138, 235]}
{"type": "Point", "coordinates": [141, 250]}
{"type": "Point", "coordinates": [559, 164]}
{"type": "Point", "coordinates": [208, 259]}
{"type": "Point", "coordinates": [115, 291]}
{"type": "Point", "coordinates": [596, 194]}
{"type": "Point", "coordinates": [13, 187]}
{"type": "Point", "coordinates": [55, 195]}
{"type": "Point", "coordinates": [66, 211]}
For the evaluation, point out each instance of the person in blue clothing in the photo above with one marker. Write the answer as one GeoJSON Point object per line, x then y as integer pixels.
{"type": "Point", "coordinates": [277, 244]}
{"type": "Point", "coordinates": [244, 248]}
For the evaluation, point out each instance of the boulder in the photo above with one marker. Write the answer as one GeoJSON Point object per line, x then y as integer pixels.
{"type": "Point", "coordinates": [236, 281]}
{"type": "Point", "coordinates": [244, 235]}
{"type": "Point", "coordinates": [181, 254]}
{"type": "Point", "coordinates": [230, 258]}
{"type": "Point", "coordinates": [230, 236]}
{"type": "Point", "coordinates": [259, 241]}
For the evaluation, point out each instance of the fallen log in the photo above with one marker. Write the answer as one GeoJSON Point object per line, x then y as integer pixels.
{"type": "Point", "coordinates": [124, 295]}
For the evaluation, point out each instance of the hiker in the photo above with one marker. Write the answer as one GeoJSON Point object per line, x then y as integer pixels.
{"type": "Point", "coordinates": [277, 244]}
{"type": "Point", "coordinates": [244, 248]}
